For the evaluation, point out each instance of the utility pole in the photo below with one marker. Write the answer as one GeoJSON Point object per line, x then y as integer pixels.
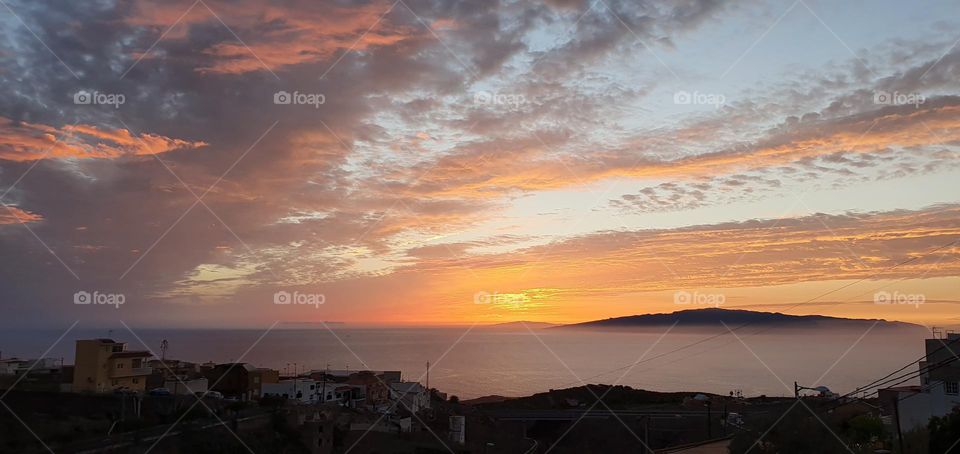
{"type": "Point", "coordinates": [896, 414]}
{"type": "Point", "coordinates": [646, 434]}
{"type": "Point", "coordinates": [709, 421]}
{"type": "Point", "coordinates": [428, 385]}
{"type": "Point", "coordinates": [723, 425]}
{"type": "Point", "coordinates": [323, 388]}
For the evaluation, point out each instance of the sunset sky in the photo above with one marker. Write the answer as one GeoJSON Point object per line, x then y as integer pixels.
{"type": "Point", "coordinates": [450, 162]}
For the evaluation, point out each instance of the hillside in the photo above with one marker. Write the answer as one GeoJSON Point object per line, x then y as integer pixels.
{"type": "Point", "coordinates": [712, 317]}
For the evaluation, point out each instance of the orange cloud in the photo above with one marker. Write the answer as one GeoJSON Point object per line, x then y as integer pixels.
{"type": "Point", "coordinates": [580, 273]}
{"type": "Point", "coordinates": [13, 215]}
{"type": "Point", "coordinates": [527, 165]}
{"type": "Point", "coordinates": [22, 141]}
{"type": "Point", "coordinates": [279, 34]}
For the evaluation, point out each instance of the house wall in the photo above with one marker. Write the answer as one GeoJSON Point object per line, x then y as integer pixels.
{"type": "Point", "coordinates": [232, 382]}
{"type": "Point", "coordinates": [914, 410]}
{"type": "Point", "coordinates": [128, 373]}
{"type": "Point", "coordinates": [260, 377]}
{"type": "Point", "coordinates": [942, 403]}
{"type": "Point", "coordinates": [133, 383]}
{"type": "Point", "coordinates": [414, 400]}
{"type": "Point", "coordinates": [90, 370]}
{"type": "Point", "coordinates": [185, 387]}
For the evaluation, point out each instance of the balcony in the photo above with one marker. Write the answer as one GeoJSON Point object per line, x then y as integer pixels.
{"type": "Point", "coordinates": [131, 372]}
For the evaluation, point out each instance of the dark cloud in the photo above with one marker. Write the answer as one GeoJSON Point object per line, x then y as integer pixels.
{"type": "Point", "coordinates": [311, 196]}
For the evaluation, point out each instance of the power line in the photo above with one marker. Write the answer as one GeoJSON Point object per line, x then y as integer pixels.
{"type": "Point", "coordinates": [876, 383]}
{"type": "Point", "coordinates": [902, 379]}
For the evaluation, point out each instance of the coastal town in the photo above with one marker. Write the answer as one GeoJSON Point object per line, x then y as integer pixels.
{"type": "Point", "coordinates": [115, 398]}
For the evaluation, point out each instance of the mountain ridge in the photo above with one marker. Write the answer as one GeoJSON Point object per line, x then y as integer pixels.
{"type": "Point", "coordinates": [732, 318]}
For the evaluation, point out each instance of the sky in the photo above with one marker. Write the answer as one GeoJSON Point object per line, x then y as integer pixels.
{"type": "Point", "coordinates": [210, 163]}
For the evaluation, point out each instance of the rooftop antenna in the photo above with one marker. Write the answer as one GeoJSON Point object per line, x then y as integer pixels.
{"type": "Point", "coordinates": [429, 394]}
{"type": "Point", "coordinates": [163, 350]}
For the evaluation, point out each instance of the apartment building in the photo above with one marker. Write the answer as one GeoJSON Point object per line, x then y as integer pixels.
{"type": "Point", "coordinates": [102, 365]}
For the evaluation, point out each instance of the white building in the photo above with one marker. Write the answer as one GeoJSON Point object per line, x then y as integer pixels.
{"type": "Point", "coordinates": [10, 366]}
{"type": "Point", "coordinates": [939, 390]}
{"type": "Point", "coordinates": [302, 389]}
{"type": "Point", "coordinates": [412, 395]}
{"type": "Point", "coordinates": [942, 380]}
{"type": "Point", "coordinates": [36, 366]}
{"type": "Point", "coordinates": [311, 391]}
{"type": "Point", "coordinates": [345, 394]}
{"type": "Point", "coordinates": [458, 429]}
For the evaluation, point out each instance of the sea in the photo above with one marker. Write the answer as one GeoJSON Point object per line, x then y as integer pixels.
{"type": "Point", "coordinates": [477, 361]}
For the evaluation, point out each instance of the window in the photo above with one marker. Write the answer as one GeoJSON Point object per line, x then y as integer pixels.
{"type": "Point", "coordinates": [136, 381]}
{"type": "Point", "coordinates": [951, 387]}
{"type": "Point", "coordinates": [137, 363]}
{"type": "Point", "coordinates": [119, 365]}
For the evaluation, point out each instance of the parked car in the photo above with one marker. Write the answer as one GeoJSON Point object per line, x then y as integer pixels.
{"type": "Point", "coordinates": [160, 392]}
